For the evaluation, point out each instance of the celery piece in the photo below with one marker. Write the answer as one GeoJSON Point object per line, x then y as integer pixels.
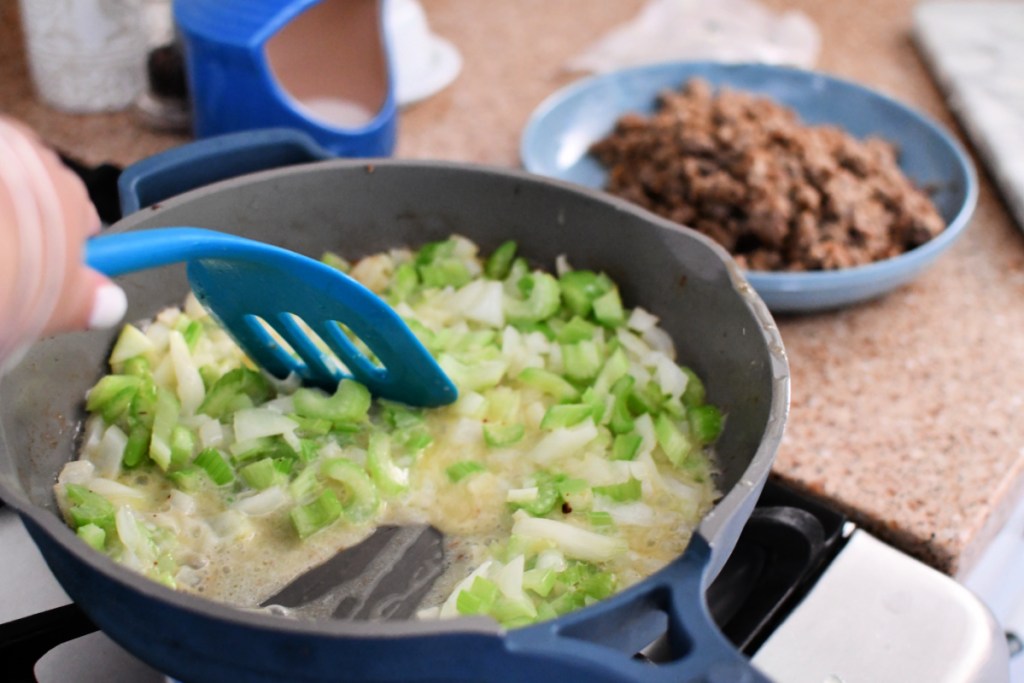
{"type": "Point", "coordinates": [403, 283]}
{"type": "Point", "coordinates": [412, 440]}
{"type": "Point", "coordinates": [548, 496]}
{"type": "Point", "coordinates": [136, 450]}
{"type": "Point", "coordinates": [432, 252]}
{"type": "Point", "coordinates": [182, 444]}
{"type": "Point", "coordinates": [694, 393]}
{"type": "Point", "coordinates": [304, 484]}
{"type": "Point", "coordinates": [462, 469]}
{"type": "Point", "coordinates": [399, 415]}
{"type": "Point", "coordinates": [192, 332]}
{"type": "Point", "coordinates": [209, 376]}
{"type": "Point", "coordinates": [261, 474]}
{"type": "Point", "coordinates": [608, 309]}
{"type": "Point", "coordinates": [449, 272]}
{"type": "Point", "coordinates": [335, 261]}
{"type": "Point", "coordinates": [89, 508]}
{"type": "Point", "coordinates": [311, 426]}
{"type": "Point", "coordinates": [626, 446]}
{"type": "Point", "coordinates": [549, 383]}
{"type": "Point", "coordinates": [541, 304]}
{"type": "Point", "coordinates": [601, 519]}
{"type": "Point", "coordinates": [137, 366]}
{"type": "Point", "coordinates": [513, 613]}
{"type": "Point", "coordinates": [131, 342]}
{"type": "Point", "coordinates": [308, 450]}
{"type": "Point", "coordinates": [349, 403]}
{"type": "Point", "coordinates": [544, 328]}
{"type": "Point", "coordinates": [577, 329]}
{"type": "Point", "coordinates": [188, 478]}
{"type": "Point", "coordinates": [674, 443]}
{"type": "Point", "coordinates": [623, 492]}
{"type": "Point", "coordinates": [143, 404]}
{"type": "Point", "coordinates": [323, 511]}
{"type": "Point", "coordinates": [579, 288]}
{"type": "Point", "coordinates": [262, 447]}
{"type": "Point", "coordinates": [478, 598]}
{"type": "Point", "coordinates": [621, 420]}
{"type": "Point", "coordinates": [165, 419]}
{"type": "Point", "coordinates": [566, 415]}
{"type": "Point", "coordinates": [646, 399]}
{"type": "Point", "coordinates": [389, 477]}
{"type": "Point", "coordinates": [229, 391]}
{"type": "Point", "coordinates": [475, 376]}
{"type": "Point", "coordinates": [499, 436]}
{"type": "Point", "coordinates": [216, 466]}
{"type": "Point", "coordinates": [582, 360]}
{"type": "Point", "coordinates": [705, 423]}
{"type": "Point", "coordinates": [540, 581]}
{"type": "Point", "coordinates": [112, 396]}
{"type": "Point", "coordinates": [361, 498]}
{"type": "Point", "coordinates": [285, 464]}
{"type": "Point", "coordinates": [499, 263]}
{"type": "Point", "coordinates": [93, 535]}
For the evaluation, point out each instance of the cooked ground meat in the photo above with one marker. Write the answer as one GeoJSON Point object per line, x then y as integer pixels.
{"type": "Point", "coordinates": [779, 195]}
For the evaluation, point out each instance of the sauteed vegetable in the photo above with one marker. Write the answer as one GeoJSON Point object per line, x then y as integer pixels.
{"type": "Point", "coordinates": [575, 462]}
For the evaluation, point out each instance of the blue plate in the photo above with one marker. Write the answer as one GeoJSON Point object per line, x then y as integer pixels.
{"type": "Point", "coordinates": [561, 130]}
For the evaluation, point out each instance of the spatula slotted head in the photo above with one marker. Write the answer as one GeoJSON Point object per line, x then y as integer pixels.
{"type": "Point", "coordinates": [294, 295]}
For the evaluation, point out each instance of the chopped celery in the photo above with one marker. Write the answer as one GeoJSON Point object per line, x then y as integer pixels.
{"type": "Point", "coordinates": [136, 450]}
{"type": "Point", "coordinates": [304, 484]}
{"type": "Point", "coordinates": [389, 477]}
{"type": "Point", "coordinates": [131, 342]}
{"type": "Point", "coordinates": [349, 403]}
{"type": "Point", "coordinates": [499, 264]}
{"type": "Point", "coordinates": [565, 415]}
{"type": "Point", "coordinates": [549, 383]}
{"type": "Point", "coordinates": [165, 420]}
{"type": "Point", "coordinates": [540, 581]}
{"type": "Point", "coordinates": [182, 444]}
{"type": "Point", "coordinates": [261, 474]}
{"type": "Point", "coordinates": [92, 534]}
{"type": "Point", "coordinates": [705, 423]}
{"type": "Point", "coordinates": [212, 461]}
{"type": "Point", "coordinates": [548, 496]}
{"type": "Point", "coordinates": [541, 304]}
{"type": "Point", "coordinates": [621, 419]}
{"type": "Point", "coordinates": [361, 499]}
{"type": "Point", "coordinates": [445, 273]}
{"type": "Point", "coordinates": [462, 469]}
{"type": "Point", "coordinates": [240, 387]}
{"type": "Point", "coordinates": [137, 366]}
{"type": "Point", "coordinates": [694, 393]}
{"type": "Point", "coordinates": [579, 288]}
{"type": "Point", "coordinates": [112, 396]}
{"type": "Point", "coordinates": [626, 446]}
{"type": "Point", "coordinates": [89, 508]}
{"type": "Point", "coordinates": [600, 519]}
{"type": "Point", "coordinates": [403, 283]}
{"type": "Point", "coordinates": [311, 426]}
{"type": "Point", "coordinates": [582, 360]}
{"type": "Point", "coordinates": [335, 261]}
{"type": "Point", "coordinates": [478, 598]}
{"type": "Point", "coordinates": [674, 443]}
{"type": "Point", "coordinates": [499, 436]}
{"type": "Point", "coordinates": [323, 511]}
{"type": "Point", "coordinates": [623, 492]}
{"type": "Point", "coordinates": [188, 478]}
{"type": "Point", "coordinates": [608, 309]}
{"type": "Point", "coordinates": [577, 329]}
{"type": "Point", "coordinates": [192, 332]}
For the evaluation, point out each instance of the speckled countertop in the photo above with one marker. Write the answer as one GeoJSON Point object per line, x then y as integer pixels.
{"type": "Point", "coordinates": [904, 411]}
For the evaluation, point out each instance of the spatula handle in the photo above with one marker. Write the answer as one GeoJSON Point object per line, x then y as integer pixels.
{"type": "Point", "coordinates": [141, 249]}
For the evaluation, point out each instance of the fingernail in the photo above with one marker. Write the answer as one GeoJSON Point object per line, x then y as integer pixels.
{"type": "Point", "coordinates": [108, 306]}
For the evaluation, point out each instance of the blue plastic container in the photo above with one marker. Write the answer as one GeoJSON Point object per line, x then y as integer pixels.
{"type": "Point", "coordinates": [235, 86]}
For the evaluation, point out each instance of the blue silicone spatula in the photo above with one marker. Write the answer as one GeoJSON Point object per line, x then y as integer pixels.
{"type": "Point", "coordinates": [243, 282]}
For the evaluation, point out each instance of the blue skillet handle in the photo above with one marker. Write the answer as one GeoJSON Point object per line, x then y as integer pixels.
{"type": "Point", "coordinates": [206, 161]}
{"type": "Point", "coordinates": [598, 644]}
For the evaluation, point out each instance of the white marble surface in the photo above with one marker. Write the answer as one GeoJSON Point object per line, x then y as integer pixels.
{"type": "Point", "coordinates": [976, 50]}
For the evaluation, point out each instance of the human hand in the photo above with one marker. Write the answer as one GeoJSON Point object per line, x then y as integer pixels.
{"type": "Point", "coordinates": [45, 216]}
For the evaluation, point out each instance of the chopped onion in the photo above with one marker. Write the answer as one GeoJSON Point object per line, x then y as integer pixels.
{"type": "Point", "coordinates": [262, 503]}
{"type": "Point", "coordinates": [579, 544]}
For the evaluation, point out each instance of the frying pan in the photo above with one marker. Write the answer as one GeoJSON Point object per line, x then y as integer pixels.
{"type": "Point", "coordinates": [720, 326]}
